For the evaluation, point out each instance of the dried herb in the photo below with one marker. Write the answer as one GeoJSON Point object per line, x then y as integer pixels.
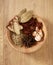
{"type": "Point", "coordinates": [30, 26]}
{"type": "Point", "coordinates": [28, 41]}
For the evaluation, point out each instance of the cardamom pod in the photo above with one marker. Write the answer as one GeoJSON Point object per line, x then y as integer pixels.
{"type": "Point", "coordinates": [26, 16]}
{"type": "Point", "coordinates": [22, 12]}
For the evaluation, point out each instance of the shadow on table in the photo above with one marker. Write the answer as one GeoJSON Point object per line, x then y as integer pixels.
{"type": "Point", "coordinates": [45, 53]}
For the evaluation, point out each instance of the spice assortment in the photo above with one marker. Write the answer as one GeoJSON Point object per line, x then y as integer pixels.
{"type": "Point", "coordinates": [26, 30]}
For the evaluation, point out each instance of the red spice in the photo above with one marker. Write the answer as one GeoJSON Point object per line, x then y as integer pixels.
{"type": "Point", "coordinates": [30, 26]}
{"type": "Point", "coordinates": [39, 25]}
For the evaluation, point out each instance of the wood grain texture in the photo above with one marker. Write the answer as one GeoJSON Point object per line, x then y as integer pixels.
{"type": "Point", "coordinates": [10, 8]}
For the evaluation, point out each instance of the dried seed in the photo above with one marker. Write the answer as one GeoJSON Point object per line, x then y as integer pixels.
{"type": "Point", "coordinates": [17, 28]}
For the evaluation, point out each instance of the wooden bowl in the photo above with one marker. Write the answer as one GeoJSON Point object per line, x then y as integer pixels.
{"type": "Point", "coordinates": [33, 48]}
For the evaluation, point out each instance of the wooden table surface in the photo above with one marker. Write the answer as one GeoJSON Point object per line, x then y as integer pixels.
{"type": "Point", "coordinates": [8, 55]}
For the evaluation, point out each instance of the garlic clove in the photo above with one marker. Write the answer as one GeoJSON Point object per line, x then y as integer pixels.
{"type": "Point", "coordinates": [38, 37]}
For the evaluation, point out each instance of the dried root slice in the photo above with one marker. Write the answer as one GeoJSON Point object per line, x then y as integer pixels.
{"type": "Point", "coordinates": [10, 26]}
{"type": "Point", "coordinates": [22, 12]}
{"type": "Point", "coordinates": [17, 28]}
{"type": "Point", "coordinates": [38, 37]}
{"type": "Point", "coordinates": [11, 29]}
{"type": "Point", "coordinates": [15, 19]}
{"type": "Point", "coordinates": [26, 16]}
{"type": "Point", "coordinates": [14, 25]}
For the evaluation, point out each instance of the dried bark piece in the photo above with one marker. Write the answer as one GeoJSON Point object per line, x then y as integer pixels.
{"type": "Point", "coordinates": [17, 28]}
